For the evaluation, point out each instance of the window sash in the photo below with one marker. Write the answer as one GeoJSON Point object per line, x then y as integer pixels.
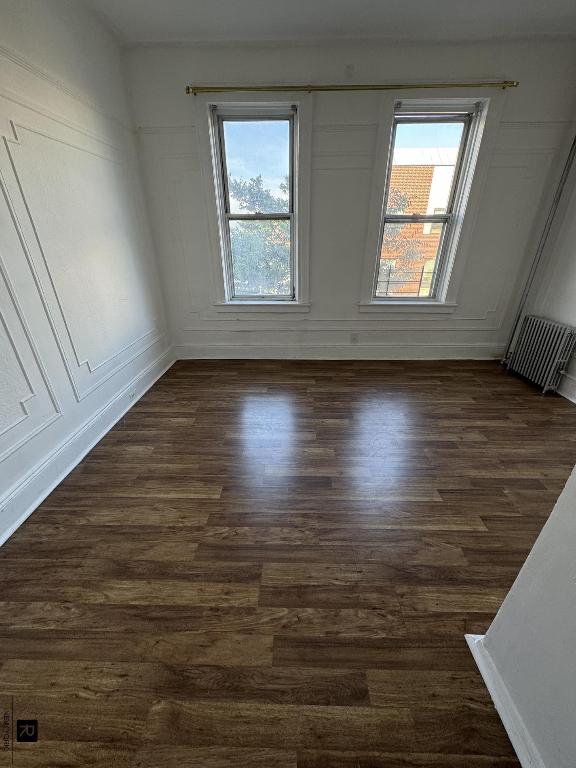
{"type": "Point", "coordinates": [229, 274]}
{"type": "Point", "coordinates": [446, 219]}
{"type": "Point", "coordinates": [436, 271]}
{"type": "Point", "coordinates": [253, 115]}
{"type": "Point", "coordinates": [251, 118]}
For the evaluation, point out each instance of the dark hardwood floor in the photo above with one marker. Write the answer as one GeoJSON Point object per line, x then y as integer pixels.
{"type": "Point", "coordinates": [273, 565]}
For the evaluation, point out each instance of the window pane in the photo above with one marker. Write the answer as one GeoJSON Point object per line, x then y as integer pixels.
{"type": "Point", "coordinates": [261, 257]}
{"type": "Point", "coordinates": [258, 165]}
{"type": "Point", "coordinates": [408, 259]}
{"type": "Point", "coordinates": [423, 165]}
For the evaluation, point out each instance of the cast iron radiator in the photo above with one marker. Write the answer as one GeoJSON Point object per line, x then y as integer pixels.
{"type": "Point", "coordinates": [542, 351]}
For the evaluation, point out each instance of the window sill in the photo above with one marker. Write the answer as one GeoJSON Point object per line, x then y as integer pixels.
{"type": "Point", "coordinates": [406, 306]}
{"type": "Point", "coordinates": [261, 306]}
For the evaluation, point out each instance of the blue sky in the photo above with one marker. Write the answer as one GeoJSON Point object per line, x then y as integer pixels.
{"type": "Point", "coordinates": [428, 135]}
{"type": "Point", "coordinates": [258, 148]}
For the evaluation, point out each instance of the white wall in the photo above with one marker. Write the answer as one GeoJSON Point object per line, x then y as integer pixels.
{"type": "Point", "coordinates": [518, 166]}
{"type": "Point", "coordinates": [554, 293]}
{"type": "Point", "coordinates": [81, 326]}
{"type": "Point", "coordinates": [530, 644]}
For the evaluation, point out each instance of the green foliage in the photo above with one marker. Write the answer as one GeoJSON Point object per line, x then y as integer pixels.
{"type": "Point", "coordinates": [253, 197]}
{"type": "Point", "coordinates": [260, 249]}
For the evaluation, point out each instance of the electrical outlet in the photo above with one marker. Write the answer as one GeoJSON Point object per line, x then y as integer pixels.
{"type": "Point", "coordinates": [354, 338]}
{"type": "Point", "coordinates": [132, 395]}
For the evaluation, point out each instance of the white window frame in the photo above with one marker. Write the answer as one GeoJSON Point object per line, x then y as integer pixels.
{"type": "Point", "coordinates": [442, 297]}
{"type": "Point", "coordinates": [256, 106]}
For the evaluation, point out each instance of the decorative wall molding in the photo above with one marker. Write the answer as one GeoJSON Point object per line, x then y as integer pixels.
{"type": "Point", "coordinates": [21, 401]}
{"type": "Point", "coordinates": [80, 360]}
{"type": "Point", "coordinates": [55, 117]}
{"type": "Point", "coordinates": [332, 351]}
{"type": "Point", "coordinates": [68, 325]}
{"type": "Point", "coordinates": [16, 139]}
{"type": "Point", "coordinates": [516, 154]}
{"type": "Point", "coordinates": [535, 124]}
{"type": "Point", "coordinates": [160, 130]}
{"type": "Point", "coordinates": [342, 161]}
{"type": "Point", "coordinates": [244, 323]}
{"type": "Point", "coordinates": [342, 146]}
{"type": "Point", "coordinates": [344, 127]}
{"type": "Point", "coordinates": [20, 501]}
{"type": "Point", "coordinates": [155, 339]}
{"type": "Point", "coordinates": [18, 442]}
{"type": "Point", "coordinates": [47, 77]}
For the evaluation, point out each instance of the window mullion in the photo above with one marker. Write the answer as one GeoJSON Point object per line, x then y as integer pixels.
{"type": "Point", "coordinates": [259, 216]}
{"type": "Point", "coordinates": [437, 218]}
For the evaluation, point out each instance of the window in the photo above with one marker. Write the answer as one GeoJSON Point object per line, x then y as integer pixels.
{"type": "Point", "coordinates": [429, 152]}
{"type": "Point", "coordinates": [254, 169]}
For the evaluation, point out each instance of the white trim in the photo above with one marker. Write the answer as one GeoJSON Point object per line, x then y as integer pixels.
{"type": "Point", "coordinates": [524, 746]}
{"type": "Point", "coordinates": [567, 387]}
{"type": "Point", "coordinates": [57, 117]}
{"type": "Point", "coordinates": [401, 306]}
{"type": "Point", "coordinates": [219, 114]}
{"type": "Point", "coordinates": [487, 128]}
{"type": "Point", "coordinates": [303, 166]}
{"type": "Point", "coordinates": [373, 351]}
{"type": "Point", "coordinates": [262, 306]}
{"type": "Point", "coordinates": [78, 96]}
{"type": "Point", "coordinates": [27, 231]}
{"type": "Point", "coordinates": [379, 176]}
{"type": "Point", "coordinates": [20, 501]}
{"type": "Point", "coordinates": [16, 305]}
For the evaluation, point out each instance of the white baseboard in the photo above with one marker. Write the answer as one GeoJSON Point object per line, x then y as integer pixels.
{"type": "Point", "coordinates": [522, 742]}
{"type": "Point", "coordinates": [22, 500]}
{"type": "Point", "coordinates": [339, 351]}
{"type": "Point", "coordinates": [567, 387]}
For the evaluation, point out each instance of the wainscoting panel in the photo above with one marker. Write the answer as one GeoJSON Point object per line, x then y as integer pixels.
{"type": "Point", "coordinates": [84, 245]}
{"type": "Point", "coordinates": [82, 332]}
{"type": "Point", "coordinates": [27, 402]}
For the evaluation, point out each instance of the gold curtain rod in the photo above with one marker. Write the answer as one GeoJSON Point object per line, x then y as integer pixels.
{"type": "Point", "coordinates": [194, 89]}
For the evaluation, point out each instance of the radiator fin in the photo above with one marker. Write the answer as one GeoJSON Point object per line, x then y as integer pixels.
{"type": "Point", "coordinates": [542, 351]}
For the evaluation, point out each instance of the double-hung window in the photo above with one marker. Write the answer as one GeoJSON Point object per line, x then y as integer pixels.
{"type": "Point", "coordinates": [255, 184]}
{"type": "Point", "coordinates": [430, 156]}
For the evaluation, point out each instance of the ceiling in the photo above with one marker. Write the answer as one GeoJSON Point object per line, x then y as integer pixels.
{"type": "Point", "coordinates": [177, 21]}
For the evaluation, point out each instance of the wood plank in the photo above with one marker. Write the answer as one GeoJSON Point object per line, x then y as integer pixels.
{"type": "Point", "coordinates": [333, 759]}
{"type": "Point", "coordinates": [185, 681]}
{"type": "Point", "coordinates": [49, 753]}
{"type": "Point", "coordinates": [214, 757]}
{"type": "Point", "coordinates": [221, 648]}
{"type": "Point", "coordinates": [32, 570]}
{"type": "Point", "coordinates": [450, 599]}
{"type": "Point", "coordinates": [427, 688]}
{"type": "Point", "coordinates": [143, 592]}
{"type": "Point", "coordinates": [371, 653]}
{"type": "Point", "coordinates": [275, 726]}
